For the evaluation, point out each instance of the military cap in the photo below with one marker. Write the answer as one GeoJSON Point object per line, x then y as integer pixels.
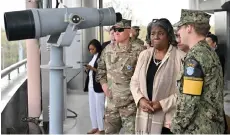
{"type": "Point", "coordinates": [192, 16]}
{"type": "Point", "coordinates": [175, 28]}
{"type": "Point", "coordinates": [136, 27]}
{"type": "Point", "coordinates": [124, 23]}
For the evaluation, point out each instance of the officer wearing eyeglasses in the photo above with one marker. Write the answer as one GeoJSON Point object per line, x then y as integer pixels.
{"type": "Point", "coordinates": [117, 63]}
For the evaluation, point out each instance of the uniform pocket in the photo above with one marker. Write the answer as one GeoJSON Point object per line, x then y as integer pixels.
{"type": "Point", "coordinates": [128, 66]}
{"type": "Point", "coordinates": [122, 95]}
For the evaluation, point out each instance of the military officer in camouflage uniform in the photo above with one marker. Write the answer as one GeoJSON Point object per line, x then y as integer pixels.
{"type": "Point", "coordinates": [200, 108]}
{"type": "Point", "coordinates": [117, 63]}
{"type": "Point", "coordinates": [134, 35]}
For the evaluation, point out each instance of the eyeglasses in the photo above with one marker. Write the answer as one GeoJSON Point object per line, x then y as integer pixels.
{"type": "Point", "coordinates": [162, 19]}
{"type": "Point", "coordinates": [120, 29]}
{"type": "Point", "coordinates": [165, 22]}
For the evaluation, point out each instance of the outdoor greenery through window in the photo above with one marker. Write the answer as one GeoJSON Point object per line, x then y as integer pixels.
{"type": "Point", "coordinates": [11, 51]}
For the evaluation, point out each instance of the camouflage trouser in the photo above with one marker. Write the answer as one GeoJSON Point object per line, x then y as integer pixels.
{"type": "Point", "coordinates": [116, 118]}
{"type": "Point", "coordinates": [109, 87]}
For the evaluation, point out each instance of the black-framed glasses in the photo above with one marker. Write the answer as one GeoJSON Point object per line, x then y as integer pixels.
{"type": "Point", "coordinates": [119, 29]}
{"type": "Point", "coordinates": [166, 23]}
{"type": "Point", "coordinates": [158, 20]}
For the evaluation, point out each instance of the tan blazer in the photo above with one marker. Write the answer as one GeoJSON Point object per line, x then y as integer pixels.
{"type": "Point", "coordinates": [138, 82]}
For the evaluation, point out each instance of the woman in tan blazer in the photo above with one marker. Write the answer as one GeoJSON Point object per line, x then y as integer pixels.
{"type": "Point", "coordinates": [153, 84]}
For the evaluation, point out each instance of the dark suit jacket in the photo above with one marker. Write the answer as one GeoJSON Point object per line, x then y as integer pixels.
{"type": "Point", "coordinates": [220, 51]}
{"type": "Point", "coordinates": [105, 44]}
{"type": "Point", "coordinates": [97, 86]}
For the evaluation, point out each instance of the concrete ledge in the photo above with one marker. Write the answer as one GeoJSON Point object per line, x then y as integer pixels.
{"type": "Point", "coordinates": [10, 87]}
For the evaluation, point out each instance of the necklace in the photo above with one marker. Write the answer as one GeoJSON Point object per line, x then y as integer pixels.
{"type": "Point", "coordinates": [154, 60]}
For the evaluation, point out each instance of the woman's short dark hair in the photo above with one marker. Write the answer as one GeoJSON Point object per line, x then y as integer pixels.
{"type": "Point", "coordinates": [167, 26]}
{"type": "Point", "coordinates": [213, 37]}
{"type": "Point", "coordinates": [96, 44]}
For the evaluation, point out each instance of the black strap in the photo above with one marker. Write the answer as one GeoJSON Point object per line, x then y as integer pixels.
{"type": "Point", "coordinates": [226, 125]}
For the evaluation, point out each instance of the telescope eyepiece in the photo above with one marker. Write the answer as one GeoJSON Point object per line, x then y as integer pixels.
{"type": "Point", "coordinates": [76, 19]}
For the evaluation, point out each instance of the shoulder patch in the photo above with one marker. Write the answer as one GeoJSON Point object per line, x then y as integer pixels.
{"type": "Point", "coordinates": [193, 77]}
{"type": "Point", "coordinates": [192, 68]}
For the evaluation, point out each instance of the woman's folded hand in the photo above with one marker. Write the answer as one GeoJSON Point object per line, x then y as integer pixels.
{"type": "Point", "coordinates": [145, 105]}
{"type": "Point", "coordinates": [156, 105]}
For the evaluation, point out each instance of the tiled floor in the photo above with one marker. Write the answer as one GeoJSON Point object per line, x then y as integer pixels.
{"type": "Point", "coordinates": [77, 101]}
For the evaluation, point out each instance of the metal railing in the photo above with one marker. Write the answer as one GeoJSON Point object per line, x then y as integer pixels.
{"type": "Point", "coordinates": [11, 68]}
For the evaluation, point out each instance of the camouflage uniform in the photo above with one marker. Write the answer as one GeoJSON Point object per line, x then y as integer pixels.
{"type": "Point", "coordinates": [137, 41]}
{"type": "Point", "coordinates": [117, 64]}
{"type": "Point", "coordinates": [199, 107]}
